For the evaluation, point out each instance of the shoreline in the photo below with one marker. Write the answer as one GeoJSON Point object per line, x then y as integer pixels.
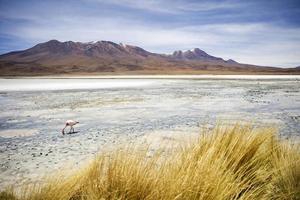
{"type": "Point", "coordinates": [171, 160]}
{"type": "Point", "coordinates": [209, 76]}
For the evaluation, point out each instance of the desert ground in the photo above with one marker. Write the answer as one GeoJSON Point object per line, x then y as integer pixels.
{"type": "Point", "coordinates": [116, 111]}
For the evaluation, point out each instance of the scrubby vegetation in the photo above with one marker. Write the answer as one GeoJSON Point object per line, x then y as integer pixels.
{"type": "Point", "coordinates": [237, 162]}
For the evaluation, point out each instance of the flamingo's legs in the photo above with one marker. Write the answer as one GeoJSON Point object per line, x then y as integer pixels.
{"type": "Point", "coordinates": [63, 130]}
{"type": "Point", "coordinates": [71, 129]}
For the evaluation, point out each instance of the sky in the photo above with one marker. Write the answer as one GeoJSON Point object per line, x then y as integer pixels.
{"type": "Point", "coordinates": [262, 32]}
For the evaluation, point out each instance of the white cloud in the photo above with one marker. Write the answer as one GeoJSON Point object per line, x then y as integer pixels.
{"type": "Point", "coordinates": [171, 6]}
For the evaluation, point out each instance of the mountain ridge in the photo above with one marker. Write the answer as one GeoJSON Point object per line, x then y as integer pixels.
{"type": "Point", "coordinates": [112, 48]}
{"type": "Point", "coordinates": [55, 57]}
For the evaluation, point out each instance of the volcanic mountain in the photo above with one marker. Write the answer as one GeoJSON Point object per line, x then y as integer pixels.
{"type": "Point", "coordinates": [105, 57]}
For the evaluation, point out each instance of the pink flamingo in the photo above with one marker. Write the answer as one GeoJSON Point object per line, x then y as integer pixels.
{"type": "Point", "coordinates": [70, 123]}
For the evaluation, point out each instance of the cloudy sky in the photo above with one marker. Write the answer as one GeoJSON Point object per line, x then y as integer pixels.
{"type": "Point", "coordinates": [257, 32]}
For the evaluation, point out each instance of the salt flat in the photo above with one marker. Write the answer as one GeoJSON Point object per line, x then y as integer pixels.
{"type": "Point", "coordinates": [115, 112]}
{"type": "Point", "coordinates": [34, 84]}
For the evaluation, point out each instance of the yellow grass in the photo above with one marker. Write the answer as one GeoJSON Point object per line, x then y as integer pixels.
{"type": "Point", "coordinates": [239, 162]}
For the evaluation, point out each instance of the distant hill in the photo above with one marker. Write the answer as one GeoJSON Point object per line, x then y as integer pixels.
{"type": "Point", "coordinates": [105, 57]}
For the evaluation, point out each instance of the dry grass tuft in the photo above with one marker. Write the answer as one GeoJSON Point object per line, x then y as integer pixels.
{"type": "Point", "coordinates": [237, 162]}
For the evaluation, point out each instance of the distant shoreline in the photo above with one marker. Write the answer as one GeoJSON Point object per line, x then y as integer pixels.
{"type": "Point", "coordinates": [209, 76]}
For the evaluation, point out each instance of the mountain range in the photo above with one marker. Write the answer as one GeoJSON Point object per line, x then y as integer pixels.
{"type": "Point", "coordinates": [105, 57]}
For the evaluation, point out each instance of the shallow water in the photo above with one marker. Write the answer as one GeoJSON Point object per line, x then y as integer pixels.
{"type": "Point", "coordinates": [116, 111]}
{"type": "Point", "coordinates": [68, 84]}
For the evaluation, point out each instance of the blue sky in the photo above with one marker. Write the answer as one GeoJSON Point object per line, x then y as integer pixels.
{"type": "Point", "coordinates": [257, 32]}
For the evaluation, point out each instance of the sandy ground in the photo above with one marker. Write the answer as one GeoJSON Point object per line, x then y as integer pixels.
{"type": "Point", "coordinates": [159, 111]}
{"type": "Point", "coordinates": [11, 133]}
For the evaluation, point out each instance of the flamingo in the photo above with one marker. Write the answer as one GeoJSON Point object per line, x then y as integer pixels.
{"type": "Point", "coordinates": [70, 123]}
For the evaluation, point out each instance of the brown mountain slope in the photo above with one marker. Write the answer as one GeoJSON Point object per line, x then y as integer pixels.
{"type": "Point", "coordinates": [105, 57]}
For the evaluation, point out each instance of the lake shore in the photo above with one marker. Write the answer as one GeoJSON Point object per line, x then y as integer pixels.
{"type": "Point", "coordinates": [204, 76]}
{"type": "Point", "coordinates": [224, 162]}
{"type": "Point", "coordinates": [33, 113]}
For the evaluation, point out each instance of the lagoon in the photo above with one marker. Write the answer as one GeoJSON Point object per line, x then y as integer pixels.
{"type": "Point", "coordinates": [114, 111]}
